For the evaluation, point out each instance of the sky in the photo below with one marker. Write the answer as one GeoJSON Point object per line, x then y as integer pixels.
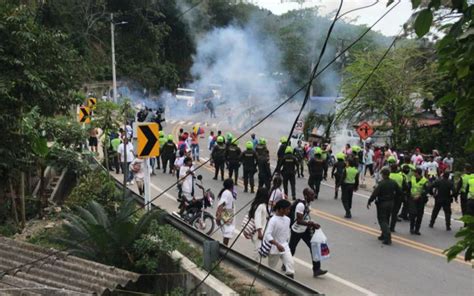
{"type": "Point", "coordinates": [390, 25]}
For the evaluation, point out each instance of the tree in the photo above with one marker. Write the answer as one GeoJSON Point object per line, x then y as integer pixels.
{"type": "Point", "coordinates": [105, 118]}
{"type": "Point", "coordinates": [389, 95]}
{"type": "Point", "coordinates": [455, 52]}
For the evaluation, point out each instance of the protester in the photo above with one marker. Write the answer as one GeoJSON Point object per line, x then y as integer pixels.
{"type": "Point", "coordinates": [226, 211]}
{"type": "Point", "coordinates": [276, 193]}
{"type": "Point", "coordinates": [277, 235]}
{"type": "Point", "coordinates": [127, 148]}
{"type": "Point", "coordinates": [137, 166]}
{"type": "Point", "coordinates": [449, 162]}
{"type": "Point", "coordinates": [302, 227]}
{"type": "Point", "coordinates": [259, 213]}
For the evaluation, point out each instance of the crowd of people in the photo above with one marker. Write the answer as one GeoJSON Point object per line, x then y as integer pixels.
{"type": "Point", "coordinates": [403, 184]}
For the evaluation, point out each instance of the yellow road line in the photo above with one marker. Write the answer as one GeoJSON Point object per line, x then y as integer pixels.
{"type": "Point", "coordinates": [366, 229]}
{"type": "Point", "coordinates": [396, 238]}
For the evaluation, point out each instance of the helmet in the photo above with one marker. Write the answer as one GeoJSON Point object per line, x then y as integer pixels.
{"type": "Point", "coordinates": [229, 136]}
{"type": "Point", "coordinates": [249, 145]}
{"type": "Point", "coordinates": [170, 137]}
{"type": "Point", "coordinates": [220, 139]}
{"type": "Point", "coordinates": [356, 148]}
{"type": "Point", "coordinates": [262, 141]}
{"type": "Point", "coordinates": [283, 140]}
{"type": "Point", "coordinates": [162, 134]}
{"type": "Point", "coordinates": [340, 156]}
{"type": "Point", "coordinates": [391, 159]}
{"type": "Point", "coordinates": [289, 150]}
{"type": "Point", "coordinates": [235, 142]}
{"type": "Point", "coordinates": [317, 150]}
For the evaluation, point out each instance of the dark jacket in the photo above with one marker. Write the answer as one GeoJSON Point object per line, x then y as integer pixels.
{"type": "Point", "coordinates": [338, 168]}
{"type": "Point", "coordinates": [263, 154]}
{"type": "Point", "coordinates": [218, 153]}
{"type": "Point", "coordinates": [443, 190]}
{"type": "Point", "coordinates": [386, 190]}
{"type": "Point", "coordinates": [249, 160]}
{"type": "Point", "coordinates": [233, 154]}
{"type": "Point", "coordinates": [316, 167]}
{"type": "Point", "coordinates": [289, 164]}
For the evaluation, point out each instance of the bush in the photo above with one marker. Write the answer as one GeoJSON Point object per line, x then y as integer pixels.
{"type": "Point", "coordinates": [96, 186]}
{"type": "Point", "coordinates": [8, 229]}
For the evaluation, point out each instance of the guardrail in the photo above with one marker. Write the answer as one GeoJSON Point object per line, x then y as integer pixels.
{"type": "Point", "coordinates": [271, 277]}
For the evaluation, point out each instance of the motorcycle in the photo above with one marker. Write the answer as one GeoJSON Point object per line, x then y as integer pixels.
{"type": "Point", "coordinates": [194, 212]}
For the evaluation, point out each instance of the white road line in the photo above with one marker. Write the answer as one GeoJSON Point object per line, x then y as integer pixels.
{"type": "Point", "coordinates": [197, 123]}
{"type": "Point", "coordinates": [214, 124]}
{"type": "Point", "coordinates": [338, 279]}
{"type": "Point", "coordinates": [160, 191]}
{"type": "Point", "coordinates": [331, 276]}
{"type": "Point", "coordinates": [173, 121]}
{"type": "Point", "coordinates": [182, 122]}
{"type": "Point", "coordinates": [189, 123]}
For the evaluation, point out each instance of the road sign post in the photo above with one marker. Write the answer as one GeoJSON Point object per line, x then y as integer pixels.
{"type": "Point", "coordinates": [148, 146]}
{"type": "Point", "coordinates": [84, 114]}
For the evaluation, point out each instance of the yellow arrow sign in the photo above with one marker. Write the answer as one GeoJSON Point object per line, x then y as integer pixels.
{"type": "Point", "coordinates": [91, 102]}
{"type": "Point", "coordinates": [84, 115]}
{"type": "Point", "coordinates": [147, 140]}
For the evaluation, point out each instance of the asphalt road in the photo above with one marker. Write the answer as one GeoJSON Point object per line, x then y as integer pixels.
{"type": "Point", "coordinates": [359, 263]}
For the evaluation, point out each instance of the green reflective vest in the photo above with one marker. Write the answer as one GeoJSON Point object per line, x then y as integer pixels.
{"type": "Point", "coordinates": [398, 178]}
{"type": "Point", "coordinates": [417, 187]}
{"type": "Point", "coordinates": [324, 155]}
{"type": "Point", "coordinates": [351, 173]}
{"type": "Point", "coordinates": [470, 194]}
{"type": "Point", "coordinates": [465, 181]}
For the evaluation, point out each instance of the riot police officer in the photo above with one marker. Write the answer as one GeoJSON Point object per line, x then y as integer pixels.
{"type": "Point", "coordinates": [233, 160]}
{"type": "Point", "coordinates": [263, 157]}
{"type": "Point", "coordinates": [249, 163]}
{"type": "Point", "coordinates": [218, 157]}
{"type": "Point", "coordinates": [288, 171]}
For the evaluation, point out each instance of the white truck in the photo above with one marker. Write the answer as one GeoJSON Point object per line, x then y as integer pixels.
{"type": "Point", "coordinates": [186, 95]}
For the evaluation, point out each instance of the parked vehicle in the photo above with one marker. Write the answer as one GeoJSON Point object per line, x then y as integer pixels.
{"type": "Point", "coordinates": [195, 213]}
{"type": "Point", "coordinates": [186, 95]}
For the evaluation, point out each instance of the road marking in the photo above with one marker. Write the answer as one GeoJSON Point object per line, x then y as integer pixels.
{"type": "Point", "coordinates": [338, 279]}
{"type": "Point", "coordinates": [329, 275]}
{"type": "Point", "coordinates": [189, 123]}
{"type": "Point", "coordinates": [214, 124]}
{"type": "Point", "coordinates": [182, 122]}
{"type": "Point", "coordinates": [173, 121]}
{"type": "Point", "coordinates": [375, 232]}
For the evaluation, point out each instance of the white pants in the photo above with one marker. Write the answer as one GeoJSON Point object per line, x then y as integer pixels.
{"type": "Point", "coordinates": [228, 230]}
{"type": "Point", "coordinates": [256, 244]}
{"type": "Point", "coordinates": [287, 259]}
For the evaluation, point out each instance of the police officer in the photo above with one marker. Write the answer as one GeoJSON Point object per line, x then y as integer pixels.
{"type": "Point", "coordinates": [168, 154]}
{"type": "Point", "coordinates": [443, 192]}
{"type": "Point", "coordinates": [408, 170]}
{"type": "Point", "coordinates": [316, 171]}
{"type": "Point", "coordinates": [288, 171]}
{"type": "Point", "coordinates": [263, 157]}
{"type": "Point", "coordinates": [338, 172]}
{"type": "Point", "coordinates": [350, 183]}
{"type": "Point", "coordinates": [299, 154]}
{"type": "Point", "coordinates": [325, 158]}
{"type": "Point", "coordinates": [470, 197]}
{"type": "Point", "coordinates": [281, 152]}
{"type": "Point", "coordinates": [162, 140]}
{"type": "Point", "coordinates": [417, 199]}
{"type": "Point", "coordinates": [233, 160]}
{"type": "Point", "coordinates": [218, 157]}
{"type": "Point", "coordinates": [385, 195]}
{"type": "Point", "coordinates": [402, 184]}
{"type": "Point", "coordinates": [462, 186]}
{"type": "Point", "coordinates": [249, 163]}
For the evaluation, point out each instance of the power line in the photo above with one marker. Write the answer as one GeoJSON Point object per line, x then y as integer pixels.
{"type": "Point", "coordinates": [242, 135]}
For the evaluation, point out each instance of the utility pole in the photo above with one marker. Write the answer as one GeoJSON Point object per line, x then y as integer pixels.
{"type": "Point", "coordinates": [114, 78]}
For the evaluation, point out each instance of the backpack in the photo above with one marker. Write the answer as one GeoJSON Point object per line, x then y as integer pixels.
{"type": "Point", "coordinates": [292, 213]}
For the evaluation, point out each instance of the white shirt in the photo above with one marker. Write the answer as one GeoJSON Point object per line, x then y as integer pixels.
{"type": "Point", "coordinates": [141, 173]}
{"type": "Point", "coordinates": [449, 162]}
{"type": "Point", "coordinates": [179, 162]}
{"type": "Point", "coordinates": [188, 182]}
{"type": "Point", "coordinates": [300, 208]}
{"type": "Point", "coordinates": [369, 157]}
{"type": "Point", "coordinates": [275, 196]}
{"type": "Point", "coordinates": [227, 199]}
{"type": "Point", "coordinates": [278, 229]}
{"type": "Point", "coordinates": [431, 167]}
{"type": "Point", "coordinates": [121, 151]}
{"type": "Point", "coordinates": [260, 216]}
{"type": "Point", "coordinates": [416, 160]}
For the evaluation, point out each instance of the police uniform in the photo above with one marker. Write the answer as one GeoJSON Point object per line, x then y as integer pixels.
{"type": "Point", "coordinates": [385, 194]}
{"type": "Point", "coordinates": [399, 179]}
{"type": "Point", "coordinates": [299, 154]}
{"type": "Point", "coordinates": [349, 184]}
{"type": "Point", "coordinates": [249, 163]}
{"type": "Point", "coordinates": [264, 171]}
{"type": "Point", "coordinates": [337, 173]}
{"type": "Point", "coordinates": [233, 161]}
{"type": "Point", "coordinates": [443, 194]}
{"type": "Point", "coordinates": [218, 156]}
{"type": "Point", "coordinates": [316, 171]}
{"type": "Point", "coordinates": [462, 189]}
{"type": "Point", "coordinates": [416, 202]}
{"type": "Point", "coordinates": [288, 172]}
{"type": "Point", "coordinates": [411, 168]}
{"type": "Point", "coordinates": [470, 197]}
{"type": "Point", "coordinates": [168, 155]}
{"type": "Point", "coordinates": [162, 140]}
